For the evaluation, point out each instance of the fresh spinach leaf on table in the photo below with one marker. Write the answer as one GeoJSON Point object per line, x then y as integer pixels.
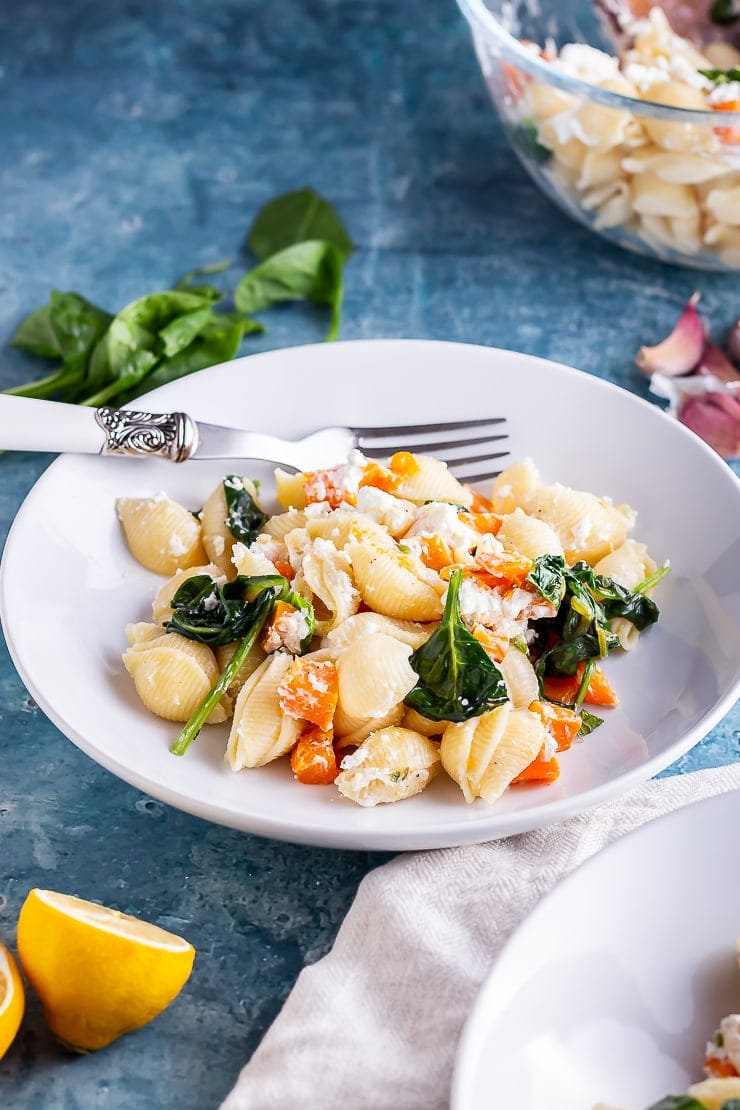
{"type": "Point", "coordinates": [296, 218]}
{"type": "Point", "coordinates": [302, 246]}
{"type": "Point", "coordinates": [310, 271]}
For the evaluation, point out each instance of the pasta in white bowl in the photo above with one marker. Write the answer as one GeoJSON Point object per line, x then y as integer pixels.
{"type": "Point", "coordinates": [69, 587]}
{"type": "Point", "coordinates": [385, 642]}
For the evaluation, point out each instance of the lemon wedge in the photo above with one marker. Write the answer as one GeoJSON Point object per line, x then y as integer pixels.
{"type": "Point", "coordinates": [12, 1000]}
{"type": "Point", "coordinates": [98, 973]}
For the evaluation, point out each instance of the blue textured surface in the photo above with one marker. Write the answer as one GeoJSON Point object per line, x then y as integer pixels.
{"type": "Point", "coordinates": [138, 140]}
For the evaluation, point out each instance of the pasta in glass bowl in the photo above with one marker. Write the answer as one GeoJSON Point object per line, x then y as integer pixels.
{"type": "Point", "coordinates": [643, 149]}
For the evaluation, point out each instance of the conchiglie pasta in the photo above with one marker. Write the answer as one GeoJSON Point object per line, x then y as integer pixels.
{"type": "Point", "coordinates": [161, 535]}
{"type": "Point", "coordinates": [515, 486]}
{"type": "Point", "coordinates": [326, 571]}
{"type": "Point", "coordinates": [484, 755]}
{"type": "Point", "coordinates": [290, 489]}
{"type": "Point", "coordinates": [387, 581]}
{"type": "Point", "coordinates": [172, 675]}
{"type": "Point", "coordinates": [254, 657]}
{"type": "Point", "coordinates": [217, 537]}
{"type": "Point", "coordinates": [392, 764]}
{"type": "Point", "coordinates": [349, 732]}
{"type": "Point", "coordinates": [260, 732]}
{"type": "Point", "coordinates": [374, 675]}
{"type": "Point", "coordinates": [412, 633]}
{"type": "Point", "coordinates": [427, 727]}
{"type": "Point", "coordinates": [528, 535]}
{"type": "Point", "coordinates": [629, 565]}
{"type": "Point", "coordinates": [433, 481]}
{"type": "Point", "coordinates": [589, 527]}
{"type": "Point", "coordinates": [520, 678]}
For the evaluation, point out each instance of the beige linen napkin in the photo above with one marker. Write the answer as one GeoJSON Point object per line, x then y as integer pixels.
{"type": "Point", "coordinates": [375, 1023]}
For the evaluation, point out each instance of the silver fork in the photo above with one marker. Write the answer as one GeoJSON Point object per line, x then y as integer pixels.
{"type": "Point", "coordinates": [28, 424]}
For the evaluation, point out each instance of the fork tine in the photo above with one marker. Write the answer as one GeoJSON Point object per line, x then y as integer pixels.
{"type": "Point", "coordinates": [393, 431]}
{"type": "Point", "coordinates": [433, 446]}
{"type": "Point", "coordinates": [471, 479]}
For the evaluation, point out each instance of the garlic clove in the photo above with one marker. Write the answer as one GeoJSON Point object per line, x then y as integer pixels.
{"type": "Point", "coordinates": [714, 361]}
{"type": "Point", "coordinates": [681, 351]}
{"type": "Point", "coordinates": [716, 418]}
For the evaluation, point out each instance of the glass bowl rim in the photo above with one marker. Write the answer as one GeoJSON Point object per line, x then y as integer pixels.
{"type": "Point", "coordinates": [483, 22]}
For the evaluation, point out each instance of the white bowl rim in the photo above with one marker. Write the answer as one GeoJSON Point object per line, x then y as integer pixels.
{"type": "Point", "coordinates": [485, 23]}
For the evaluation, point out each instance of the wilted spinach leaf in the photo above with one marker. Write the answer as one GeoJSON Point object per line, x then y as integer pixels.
{"type": "Point", "coordinates": [260, 608]}
{"type": "Point", "coordinates": [457, 679]}
{"type": "Point", "coordinates": [548, 578]}
{"type": "Point", "coordinates": [589, 722]}
{"type": "Point", "coordinates": [244, 517]}
{"type": "Point", "coordinates": [216, 615]}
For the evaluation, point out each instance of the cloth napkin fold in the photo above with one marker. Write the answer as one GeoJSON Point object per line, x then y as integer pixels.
{"type": "Point", "coordinates": [376, 1022]}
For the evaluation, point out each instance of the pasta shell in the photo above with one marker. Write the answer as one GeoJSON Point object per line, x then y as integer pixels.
{"type": "Point", "coordinates": [515, 486]}
{"type": "Point", "coordinates": [433, 482]}
{"type": "Point", "coordinates": [412, 633]}
{"type": "Point", "coordinates": [290, 489]}
{"type": "Point", "coordinates": [520, 678]}
{"type": "Point", "coordinates": [528, 535]}
{"type": "Point", "coordinates": [714, 1093]}
{"type": "Point", "coordinates": [349, 732]}
{"type": "Point", "coordinates": [392, 764]}
{"type": "Point", "coordinates": [172, 675]}
{"type": "Point", "coordinates": [255, 656]}
{"type": "Point", "coordinates": [374, 675]}
{"type": "Point", "coordinates": [417, 723]}
{"type": "Point", "coordinates": [521, 743]}
{"type": "Point", "coordinates": [467, 748]}
{"type": "Point", "coordinates": [161, 535]}
{"type": "Point", "coordinates": [260, 732]}
{"type": "Point", "coordinates": [386, 581]}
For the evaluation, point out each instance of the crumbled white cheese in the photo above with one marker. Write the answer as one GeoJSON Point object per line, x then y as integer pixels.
{"type": "Point", "coordinates": [723, 94]}
{"type": "Point", "coordinates": [442, 519]}
{"type": "Point", "coordinates": [587, 63]}
{"type": "Point", "coordinates": [393, 513]}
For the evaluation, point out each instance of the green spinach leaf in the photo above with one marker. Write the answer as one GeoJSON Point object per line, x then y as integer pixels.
{"type": "Point", "coordinates": [548, 578]}
{"type": "Point", "coordinates": [216, 615]}
{"type": "Point", "coordinates": [721, 76]}
{"type": "Point", "coordinates": [589, 721]}
{"type": "Point", "coordinates": [309, 271]}
{"type": "Point", "coordinates": [244, 517]}
{"type": "Point", "coordinates": [295, 218]}
{"type": "Point", "coordinates": [457, 679]}
{"type": "Point", "coordinates": [725, 11]}
{"type": "Point", "coordinates": [678, 1102]}
{"type": "Point", "coordinates": [260, 608]}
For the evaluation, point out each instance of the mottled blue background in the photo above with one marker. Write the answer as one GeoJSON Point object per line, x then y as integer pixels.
{"type": "Point", "coordinates": [137, 140]}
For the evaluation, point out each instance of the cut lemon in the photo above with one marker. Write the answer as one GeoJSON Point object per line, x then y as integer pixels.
{"type": "Point", "coordinates": [98, 973]}
{"type": "Point", "coordinates": [12, 1000]}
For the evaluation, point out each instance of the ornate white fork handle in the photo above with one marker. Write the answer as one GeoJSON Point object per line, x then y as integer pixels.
{"type": "Point", "coordinates": [28, 424]}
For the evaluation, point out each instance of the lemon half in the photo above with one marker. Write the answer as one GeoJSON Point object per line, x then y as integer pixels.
{"type": "Point", "coordinates": [98, 973]}
{"type": "Point", "coordinates": [12, 1000]}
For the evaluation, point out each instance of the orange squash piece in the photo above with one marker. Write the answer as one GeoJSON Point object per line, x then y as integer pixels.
{"type": "Point", "coordinates": [313, 759]}
{"type": "Point", "coordinates": [309, 692]}
{"type": "Point", "coordinates": [539, 770]}
{"type": "Point", "coordinates": [563, 724]}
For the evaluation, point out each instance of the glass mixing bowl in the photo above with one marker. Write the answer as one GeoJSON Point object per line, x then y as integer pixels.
{"type": "Point", "coordinates": [639, 167]}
